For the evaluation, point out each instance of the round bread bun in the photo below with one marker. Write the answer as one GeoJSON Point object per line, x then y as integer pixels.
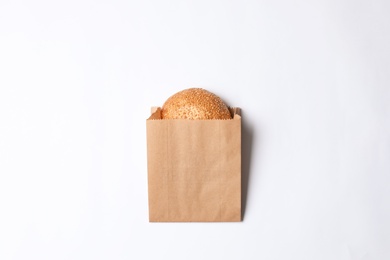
{"type": "Point", "coordinates": [195, 103]}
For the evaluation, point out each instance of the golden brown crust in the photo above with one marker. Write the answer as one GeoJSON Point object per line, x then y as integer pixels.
{"type": "Point", "coordinates": [195, 103]}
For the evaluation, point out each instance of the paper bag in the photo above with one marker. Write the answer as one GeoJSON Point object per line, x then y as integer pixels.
{"type": "Point", "coordinates": [194, 169]}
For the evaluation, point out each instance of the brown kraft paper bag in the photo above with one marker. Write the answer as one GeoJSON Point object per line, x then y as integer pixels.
{"type": "Point", "coordinates": [194, 169]}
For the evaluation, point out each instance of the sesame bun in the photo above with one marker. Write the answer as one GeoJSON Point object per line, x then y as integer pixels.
{"type": "Point", "coordinates": [195, 103]}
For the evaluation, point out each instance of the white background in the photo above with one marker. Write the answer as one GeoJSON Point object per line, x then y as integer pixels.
{"type": "Point", "coordinates": [77, 79]}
